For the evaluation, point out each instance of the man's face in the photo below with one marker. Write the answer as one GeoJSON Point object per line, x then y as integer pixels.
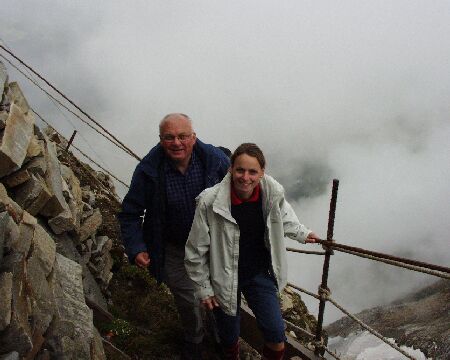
{"type": "Point", "coordinates": [178, 139]}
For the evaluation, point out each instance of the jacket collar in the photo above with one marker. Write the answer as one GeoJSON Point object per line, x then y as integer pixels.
{"type": "Point", "coordinates": [271, 191]}
{"type": "Point", "coordinates": [154, 159]}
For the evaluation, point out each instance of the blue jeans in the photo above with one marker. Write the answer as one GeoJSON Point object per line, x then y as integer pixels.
{"type": "Point", "coordinates": [262, 298]}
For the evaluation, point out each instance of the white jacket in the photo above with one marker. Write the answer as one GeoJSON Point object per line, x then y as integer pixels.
{"type": "Point", "coordinates": [212, 249]}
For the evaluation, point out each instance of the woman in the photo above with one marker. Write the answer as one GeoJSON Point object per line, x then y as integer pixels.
{"type": "Point", "coordinates": [236, 245]}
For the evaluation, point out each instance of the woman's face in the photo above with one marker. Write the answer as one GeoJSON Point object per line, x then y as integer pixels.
{"type": "Point", "coordinates": [246, 174]}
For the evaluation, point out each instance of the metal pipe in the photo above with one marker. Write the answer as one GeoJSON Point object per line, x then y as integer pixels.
{"type": "Point", "coordinates": [71, 140]}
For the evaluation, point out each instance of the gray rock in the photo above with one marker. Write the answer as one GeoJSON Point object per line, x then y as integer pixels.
{"type": "Point", "coordinates": [98, 353]}
{"type": "Point", "coordinates": [75, 202]}
{"type": "Point", "coordinates": [11, 356]}
{"type": "Point", "coordinates": [35, 148]}
{"type": "Point", "coordinates": [3, 79]}
{"type": "Point", "coordinates": [18, 334]}
{"type": "Point", "coordinates": [3, 118]}
{"type": "Point", "coordinates": [66, 247]}
{"type": "Point", "coordinates": [73, 320]}
{"type": "Point", "coordinates": [16, 97]}
{"type": "Point", "coordinates": [17, 178]}
{"type": "Point", "coordinates": [42, 300]}
{"type": "Point", "coordinates": [104, 245]}
{"type": "Point", "coordinates": [55, 137]}
{"type": "Point", "coordinates": [88, 195]}
{"type": "Point", "coordinates": [57, 204]}
{"type": "Point", "coordinates": [10, 234]}
{"type": "Point", "coordinates": [90, 225]}
{"type": "Point", "coordinates": [5, 300]}
{"type": "Point", "coordinates": [10, 205]}
{"type": "Point", "coordinates": [37, 165]}
{"type": "Point", "coordinates": [87, 211]}
{"type": "Point", "coordinates": [39, 134]}
{"type": "Point", "coordinates": [32, 195]}
{"type": "Point", "coordinates": [15, 140]}
{"type": "Point", "coordinates": [61, 223]}
{"type": "Point", "coordinates": [44, 249]}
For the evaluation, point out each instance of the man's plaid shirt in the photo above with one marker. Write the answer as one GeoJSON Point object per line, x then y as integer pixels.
{"type": "Point", "coordinates": [181, 191]}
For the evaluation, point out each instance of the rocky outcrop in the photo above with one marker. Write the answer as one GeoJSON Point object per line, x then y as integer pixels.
{"type": "Point", "coordinates": [420, 320]}
{"type": "Point", "coordinates": [53, 261]}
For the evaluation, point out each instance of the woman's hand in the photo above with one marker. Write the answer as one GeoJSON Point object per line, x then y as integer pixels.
{"type": "Point", "coordinates": [210, 303]}
{"type": "Point", "coordinates": [312, 238]}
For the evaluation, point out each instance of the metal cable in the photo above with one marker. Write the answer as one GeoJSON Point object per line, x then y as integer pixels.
{"type": "Point", "coordinates": [331, 353]}
{"type": "Point", "coordinates": [303, 331]}
{"type": "Point", "coordinates": [65, 107]}
{"type": "Point", "coordinates": [398, 264]}
{"type": "Point", "coordinates": [368, 328]}
{"type": "Point", "coordinates": [336, 246]}
{"type": "Point", "coordinates": [306, 251]}
{"type": "Point", "coordinates": [303, 290]}
{"type": "Point", "coordinates": [82, 153]}
{"type": "Point", "coordinates": [122, 146]}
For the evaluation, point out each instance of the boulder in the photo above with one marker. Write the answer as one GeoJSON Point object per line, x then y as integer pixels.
{"type": "Point", "coordinates": [62, 222]}
{"type": "Point", "coordinates": [16, 97]}
{"type": "Point", "coordinates": [32, 195]}
{"type": "Point", "coordinates": [35, 148]}
{"type": "Point", "coordinates": [15, 140]}
{"type": "Point", "coordinates": [44, 249]}
{"type": "Point", "coordinates": [37, 166]}
{"type": "Point", "coordinates": [42, 300]}
{"type": "Point", "coordinates": [66, 247]}
{"type": "Point", "coordinates": [90, 225]}
{"type": "Point", "coordinates": [73, 319]}
{"type": "Point", "coordinates": [75, 202]}
{"type": "Point", "coordinates": [57, 204]}
{"type": "Point", "coordinates": [17, 178]}
{"type": "Point", "coordinates": [17, 336]}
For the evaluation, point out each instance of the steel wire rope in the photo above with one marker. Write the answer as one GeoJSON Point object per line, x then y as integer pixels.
{"type": "Point", "coordinates": [64, 106]}
{"type": "Point", "coordinates": [336, 246]}
{"type": "Point", "coordinates": [55, 103]}
{"type": "Point", "coordinates": [86, 156]}
{"type": "Point", "coordinates": [116, 141]}
{"type": "Point", "coordinates": [398, 264]}
{"type": "Point", "coordinates": [61, 104]}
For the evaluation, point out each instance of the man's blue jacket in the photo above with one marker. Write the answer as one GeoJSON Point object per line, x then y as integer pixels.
{"type": "Point", "coordinates": [142, 219]}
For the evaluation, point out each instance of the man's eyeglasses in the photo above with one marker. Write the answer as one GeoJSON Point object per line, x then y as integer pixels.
{"type": "Point", "coordinates": [171, 138]}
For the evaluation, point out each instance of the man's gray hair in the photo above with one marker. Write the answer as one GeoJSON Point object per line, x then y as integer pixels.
{"type": "Point", "coordinates": [173, 115]}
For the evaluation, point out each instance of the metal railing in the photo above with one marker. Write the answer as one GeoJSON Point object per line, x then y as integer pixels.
{"type": "Point", "coordinates": [324, 293]}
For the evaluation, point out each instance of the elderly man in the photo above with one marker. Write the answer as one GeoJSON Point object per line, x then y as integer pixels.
{"type": "Point", "coordinates": [158, 210]}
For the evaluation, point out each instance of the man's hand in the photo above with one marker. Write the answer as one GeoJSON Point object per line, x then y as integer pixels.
{"type": "Point", "coordinates": [142, 260]}
{"type": "Point", "coordinates": [312, 238]}
{"type": "Point", "coordinates": [210, 303]}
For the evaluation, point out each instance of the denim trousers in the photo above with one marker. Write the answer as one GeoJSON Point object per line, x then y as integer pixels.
{"type": "Point", "coordinates": [262, 297]}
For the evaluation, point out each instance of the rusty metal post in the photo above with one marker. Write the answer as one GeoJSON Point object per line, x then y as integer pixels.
{"type": "Point", "coordinates": [326, 263]}
{"type": "Point", "coordinates": [71, 139]}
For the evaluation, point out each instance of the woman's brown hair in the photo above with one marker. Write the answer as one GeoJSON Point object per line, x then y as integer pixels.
{"type": "Point", "coordinates": [252, 150]}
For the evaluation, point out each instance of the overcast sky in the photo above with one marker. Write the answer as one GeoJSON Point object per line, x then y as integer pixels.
{"type": "Point", "coordinates": [355, 90]}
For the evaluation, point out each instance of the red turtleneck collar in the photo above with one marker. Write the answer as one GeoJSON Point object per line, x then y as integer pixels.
{"type": "Point", "coordinates": [236, 200]}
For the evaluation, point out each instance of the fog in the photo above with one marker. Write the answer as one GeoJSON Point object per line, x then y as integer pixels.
{"type": "Point", "coordinates": [352, 90]}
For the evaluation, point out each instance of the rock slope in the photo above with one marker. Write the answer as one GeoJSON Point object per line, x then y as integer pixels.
{"type": "Point", "coordinates": [420, 320]}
